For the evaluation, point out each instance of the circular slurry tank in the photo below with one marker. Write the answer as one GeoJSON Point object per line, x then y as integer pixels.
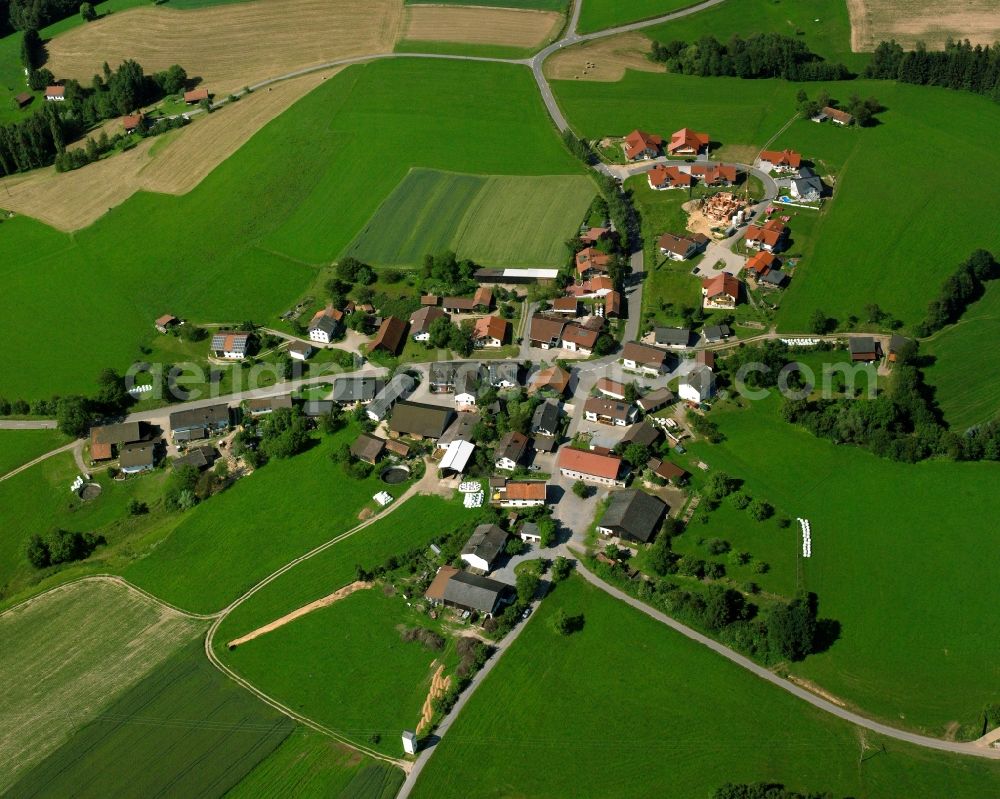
{"type": "Point", "coordinates": [395, 474]}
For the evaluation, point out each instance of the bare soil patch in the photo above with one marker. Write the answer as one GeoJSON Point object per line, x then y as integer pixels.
{"type": "Point", "coordinates": [336, 596]}
{"type": "Point", "coordinates": [809, 685]}
{"type": "Point", "coordinates": [230, 46]}
{"type": "Point", "coordinates": [908, 21]}
{"type": "Point", "coordinates": [172, 164]}
{"type": "Point", "coordinates": [603, 59]}
{"type": "Point", "coordinates": [439, 686]}
{"type": "Point", "coordinates": [480, 25]}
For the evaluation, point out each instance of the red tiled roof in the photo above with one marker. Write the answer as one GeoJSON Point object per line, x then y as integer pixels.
{"type": "Point", "coordinates": [166, 319]}
{"type": "Point", "coordinates": [641, 354]}
{"type": "Point", "coordinates": [578, 460]}
{"type": "Point", "coordinates": [600, 283]}
{"type": "Point", "coordinates": [687, 140]}
{"type": "Point", "coordinates": [762, 262]}
{"type": "Point", "coordinates": [835, 113]}
{"type": "Point", "coordinates": [639, 140]}
{"type": "Point", "coordinates": [722, 284]}
{"type": "Point", "coordinates": [609, 386]}
{"type": "Point", "coordinates": [544, 328]}
{"type": "Point", "coordinates": [553, 377]}
{"type": "Point", "coordinates": [661, 175]}
{"type": "Point", "coordinates": [195, 95]}
{"type": "Point", "coordinates": [527, 490]}
{"type": "Point", "coordinates": [390, 335]}
{"type": "Point", "coordinates": [770, 233]}
{"type": "Point", "coordinates": [580, 336]}
{"type": "Point", "coordinates": [782, 158]}
{"type": "Point", "coordinates": [132, 121]}
{"type": "Point", "coordinates": [491, 327]}
{"type": "Point", "coordinates": [612, 303]}
{"type": "Point", "coordinates": [591, 258]}
{"type": "Point", "coordinates": [55, 91]}
{"type": "Point", "coordinates": [429, 299]}
{"type": "Point", "coordinates": [594, 235]}
{"type": "Point", "coordinates": [99, 451]}
{"type": "Point", "coordinates": [483, 296]}
{"type": "Point", "coordinates": [566, 304]}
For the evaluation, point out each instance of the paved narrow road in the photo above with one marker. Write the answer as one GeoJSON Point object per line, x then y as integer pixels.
{"type": "Point", "coordinates": [28, 424]}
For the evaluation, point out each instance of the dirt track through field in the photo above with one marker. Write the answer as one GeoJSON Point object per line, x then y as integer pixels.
{"type": "Point", "coordinates": [172, 164]}
{"type": "Point", "coordinates": [479, 25]}
{"type": "Point", "coordinates": [439, 687]}
{"type": "Point", "coordinates": [340, 593]}
{"type": "Point", "coordinates": [908, 21]}
{"type": "Point", "coordinates": [230, 46]}
{"type": "Point", "coordinates": [602, 59]}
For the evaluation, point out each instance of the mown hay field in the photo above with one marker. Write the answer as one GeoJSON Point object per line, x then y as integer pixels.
{"type": "Point", "coordinates": [966, 386]}
{"type": "Point", "coordinates": [602, 59]}
{"type": "Point", "coordinates": [912, 21]}
{"type": "Point", "coordinates": [475, 25]}
{"type": "Point", "coordinates": [173, 163]}
{"type": "Point", "coordinates": [287, 202]}
{"type": "Point", "coordinates": [230, 46]}
{"type": "Point", "coordinates": [185, 729]}
{"type": "Point", "coordinates": [67, 655]}
{"type": "Point", "coordinates": [537, 5]}
{"type": "Point", "coordinates": [626, 706]}
{"type": "Point", "coordinates": [493, 220]}
{"type": "Point", "coordinates": [18, 447]}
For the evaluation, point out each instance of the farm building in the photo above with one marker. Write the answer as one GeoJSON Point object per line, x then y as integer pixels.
{"type": "Point", "coordinates": [837, 117]}
{"type": "Point", "coordinates": [594, 235]}
{"type": "Point", "coordinates": [612, 305]}
{"type": "Point", "coordinates": [898, 346]}
{"type": "Point", "coordinates": [55, 94]}
{"type": "Point", "coordinates": [398, 388]}
{"type": "Point", "coordinates": [199, 423]}
{"type": "Point", "coordinates": [591, 261]}
{"type": "Point", "coordinates": [566, 305]}
{"type": "Point", "coordinates": [419, 420]}
{"type": "Point", "coordinates": [198, 457]}
{"type": "Point", "coordinates": [368, 448]}
{"type": "Point", "coordinates": [133, 122]}
{"type": "Point", "coordinates": [195, 96]}
{"type": "Point", "coordinates": [655, 400]}
{"type": "Point", "coordinates": [667, 471]}
{"type": "Point", "coordinates": [633, 515]}
{"type": "Point", "coordinates": [578, 464]}
{"type": "Point", "coordinates": [643, 433]}
{"type": "Point", "coordinates": [351, 389]}
{"type": "Point", "coordinates": [230, 345]}
{"type": "Point", "coordinates": [390, 336]}
{"type": "Point", "coordinates": [325, 325]}
{"type": "Point", "coordinates": [468, 592]}
{"type": "Point", "coordinates": [265, 405]}
{"type": "Point", "coordinates": [139, 456]}
{"type": "Point", "coordinates": [23, 99]}
{"type": "Point", "coordinates": [546, 331]}
{"type": "Point", "coordinates": [713, 334]}
{"type": "Point", "coordinates": [484, 547]}
{"type": "Point", "coordinates": [864, 349]}
{"type": "Point", "coordinates": [106, 440]}
{"type": "Point", "coordinates": [165, 323]}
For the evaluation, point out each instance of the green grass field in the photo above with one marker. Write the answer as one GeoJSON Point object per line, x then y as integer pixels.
{"type": "Point", "coordinates": [965, 387]}
{"type": "Point", "coordinates": [898, 257]}
{"type": "Point", "coordinates": [224, 546]}
{"type": "Point", "coordinates": [184, 729]}
{"type": "Point", "coordinates": [823, 25]}
{"type": "Point", "coordinates": [374, 682]}
{"type": "Point", "coordinates": [289, 201]}
{"type": "Point", "coordinates": [308, 764]}
{"type": "Point", "coordinates": [600, 14]}
{"type": "Point", "coordinates": [18, 447]}
{"type": "Point", "coordinates": [418, 522]}
{"type": "Point", "coordinates": [38, 500]}
{"type": "Point", "coordinates": [627, 706]}
{"type": "Point", "coordinates": [67, 655]}
{"type": "Point", "coordinates": [904, 578]}
{"type": "Point", "coordinates": [494, 221]}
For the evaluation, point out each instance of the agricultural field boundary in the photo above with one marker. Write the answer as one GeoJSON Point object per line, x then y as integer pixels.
{"type": "Point", "coordinates": [973, 748]}
{"type": "Point", "coordinates": [221, 615]}
{"type": "Point", "coordinates": [39, 459]}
